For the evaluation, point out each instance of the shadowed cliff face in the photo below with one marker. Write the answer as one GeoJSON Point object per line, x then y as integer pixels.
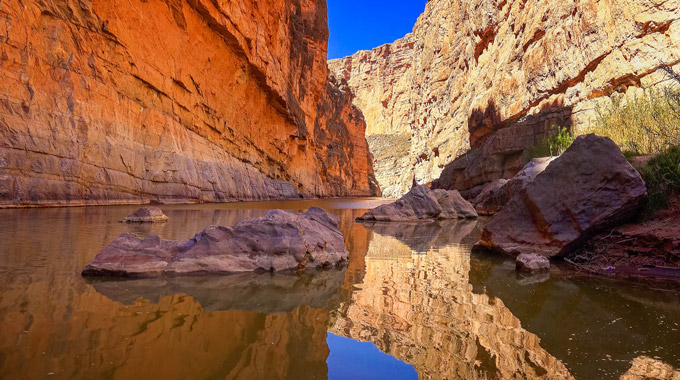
{"type": "Point", "coordinates": [472, 68]}
{"type": "Point", "coordinates": [185, 100]}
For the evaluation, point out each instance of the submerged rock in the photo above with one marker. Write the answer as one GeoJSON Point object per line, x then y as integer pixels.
{"type": "Point", "coordinates": [421, 203]}
{"type": "Point", "coordinates": [497, 193]}
{"type": "Point", "coordinates": [278, 241]}
{"type": "Point", "coordinates": [147, 215]}
{"type": "Point", "coordinates": [589, 188]}
{"type": "Point", "coordinates": [532, 263]}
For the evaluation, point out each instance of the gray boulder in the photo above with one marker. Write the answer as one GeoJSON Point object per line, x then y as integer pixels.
{"type": "Point", "coordinates": [589, 188]}
{"type": "Point", "coordinates": [422, 203]}
{"type": "Point", "coordinates": [532, 263]}
{"type": "Point", "coordinates": [279, 241]}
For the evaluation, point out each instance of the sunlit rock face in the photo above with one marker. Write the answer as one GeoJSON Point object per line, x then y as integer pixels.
{"type": "Point", "coordinates": [645, 368]}
{"type": "Point", "coordinates": [421, 309]}
{"type": "Point", "coordinates": [472, 68]}
{"type": "Point", "coordinates": [173, 101]}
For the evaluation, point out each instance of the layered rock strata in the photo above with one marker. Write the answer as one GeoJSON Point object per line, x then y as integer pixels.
{"type": "Point", "coordinates": [279, 241]}
{"type": "Point", "coordinates": [495, 75]}
{"type": "Point", "coordinates": [173, 101]}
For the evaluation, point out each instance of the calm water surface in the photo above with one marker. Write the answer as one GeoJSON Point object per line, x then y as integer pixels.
{"type": "Point", "coordinates": [412, 303]}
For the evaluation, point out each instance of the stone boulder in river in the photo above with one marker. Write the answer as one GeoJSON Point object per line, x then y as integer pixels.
{"type": "Point", "coordinates": [497, 193]}
{"type": "Point", "coordinates": [147, 215]}
{"type": "Point", "coordinates": [589, 188]}
{"type": "Point", "coordinates": [421, 203]}
{"type": "Point", "coordinates": [279, 241]}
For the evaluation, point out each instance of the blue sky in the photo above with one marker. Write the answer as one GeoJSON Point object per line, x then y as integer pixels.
{"type": "Point", "coordinates": [364, 24]}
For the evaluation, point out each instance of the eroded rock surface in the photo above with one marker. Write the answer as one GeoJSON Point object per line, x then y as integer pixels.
{"type": "Point", "coordinates": [587, 189]}
{"type": "Point", "coordinates": [421, 203]}
{"type": "Point", "coordinates": [495, 75]}
{"type": "Point", "coordinates": [497, 193]}
{"type": "Point", "coordinates": [173, 101]}
{"type": "Point", "coordinates": [147, 215]}
{"type": "Point", "coordinates": [532, 263]}
{"type": "Point", "coordinates": [279, 241]}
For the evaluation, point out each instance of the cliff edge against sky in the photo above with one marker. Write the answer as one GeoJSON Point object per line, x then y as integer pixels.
{"type": "Point", "coordinates": [494, 76]}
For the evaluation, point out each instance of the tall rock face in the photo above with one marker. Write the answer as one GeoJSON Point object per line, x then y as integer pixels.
{"type": "Point", "coordinates": [494, 76]}
{"type": "Point", "coordinates": [150, 100]}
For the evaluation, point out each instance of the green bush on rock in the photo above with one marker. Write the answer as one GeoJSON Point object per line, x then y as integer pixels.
{"type": "Point", "coordinates": [554, 145]}
{"type": "Point", "coordinates": [662, 176]}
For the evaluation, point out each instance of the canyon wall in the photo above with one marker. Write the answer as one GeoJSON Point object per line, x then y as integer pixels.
{"type": "Point", "coordinates": [494, 76]}
{"type": "Point", "coordinates": [173, 101]}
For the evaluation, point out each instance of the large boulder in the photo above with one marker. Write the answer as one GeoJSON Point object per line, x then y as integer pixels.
{"type": "Point", "coordinates": [421, 203]}
{"type": "Point", "coordinates": [497, 193]}
{"type": "Point", "coordinates": [587, 189]}
{"type": "Point", "coordinates": [278, 241]}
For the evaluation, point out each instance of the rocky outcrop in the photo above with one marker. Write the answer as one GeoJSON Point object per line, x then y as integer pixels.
{"type": "Point", "coordinates": [646, 368]}
{"type": "Point", "coordinates": [494, 76]}
{"type": "Point", "coordinates": [532, 263]}
{"type": "Point", "coordinates": [277, 242]}
{"type": "Point", "coordinates": [497, 193]}
{"type": "Point", "coordinates": [180, 101]}
{"type": "Point", "coordinates": [147, 215]}
{"type": "Point", "coordinates": [421, 203]}
{"type": "Point", "coordinates": [587, 189]}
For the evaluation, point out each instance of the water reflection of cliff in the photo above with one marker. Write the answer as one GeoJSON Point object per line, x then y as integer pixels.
{"type": "Point", "coordinates": [420, 308]}
{"type": "Point", "coordinates": [53, 323]}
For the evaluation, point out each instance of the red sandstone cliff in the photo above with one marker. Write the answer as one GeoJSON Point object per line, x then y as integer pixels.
{"type": "Point", "coordinates": [494, 75]}
{"type": "Point", "coordinates": [196, 100]}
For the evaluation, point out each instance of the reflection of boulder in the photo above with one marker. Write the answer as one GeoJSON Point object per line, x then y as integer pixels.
{"type": "Point", "coordinates": [420, 309]}
{"type": "Point", "coordinates": [261, 293]}
{"type": "Point", "coordinates": [422, 237]}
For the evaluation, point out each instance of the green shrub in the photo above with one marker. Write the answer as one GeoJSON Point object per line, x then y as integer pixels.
{"type": "Point", "coordinates": [555, 144]}
{"type": "Point", "coordinates": [662, 176]}
{"type": "Point", "coordinates": [648, 123]}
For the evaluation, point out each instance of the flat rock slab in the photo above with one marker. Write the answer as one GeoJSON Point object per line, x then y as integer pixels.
{"type": "Point", "coordinates": [589, 188]}
{"type": "Point", "coordinates": [147, 215]}
{"type": "Point", "coordinates": [279, 241]}
{"type": "Point", "coordinates": [422, 203]}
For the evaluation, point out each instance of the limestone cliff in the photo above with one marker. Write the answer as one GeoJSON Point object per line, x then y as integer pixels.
{"type": "Point", "coordinates": [495, 75]}
{"type": "Point", "coordinates": [195, 100]}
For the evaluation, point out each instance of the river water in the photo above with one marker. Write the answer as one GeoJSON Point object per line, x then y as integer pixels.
{"type": "Point", "coordinates": [412, 303]}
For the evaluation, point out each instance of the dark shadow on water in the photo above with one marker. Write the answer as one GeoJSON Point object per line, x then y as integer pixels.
{"type": "Point", "coordinates": [252, 292]}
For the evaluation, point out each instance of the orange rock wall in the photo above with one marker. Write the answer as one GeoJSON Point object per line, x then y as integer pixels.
{"type": "Point", "coordinates": [196, 100]}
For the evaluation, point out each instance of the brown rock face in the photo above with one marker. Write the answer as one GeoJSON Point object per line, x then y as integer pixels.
{"type": "Point", "coordinates": [646, 368]}
{"type": "Point", "coordinates": [494, 75]}
{"type": "Point", "coordinates": [173, 101]}
{"type": "Point", "coordinates": [587, 189]}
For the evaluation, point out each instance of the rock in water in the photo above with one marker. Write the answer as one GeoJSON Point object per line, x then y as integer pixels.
{"type": "Point", "coordinates": [421, 203]}
{"type": "Point", "coordinates": [497, 193]}
{"type": "Point", "coordinates": [454, 205]}
{"type": "Point", "coordinates": [589, 188]}
{"type": "Point", "coordinates": [532, 263]}
{"type": "Point", "coordinates": [646, 368]}
{"type": "Point", "coordinates": [147, 215]}
{"type": "Point", "coordinates": [277, 242]}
